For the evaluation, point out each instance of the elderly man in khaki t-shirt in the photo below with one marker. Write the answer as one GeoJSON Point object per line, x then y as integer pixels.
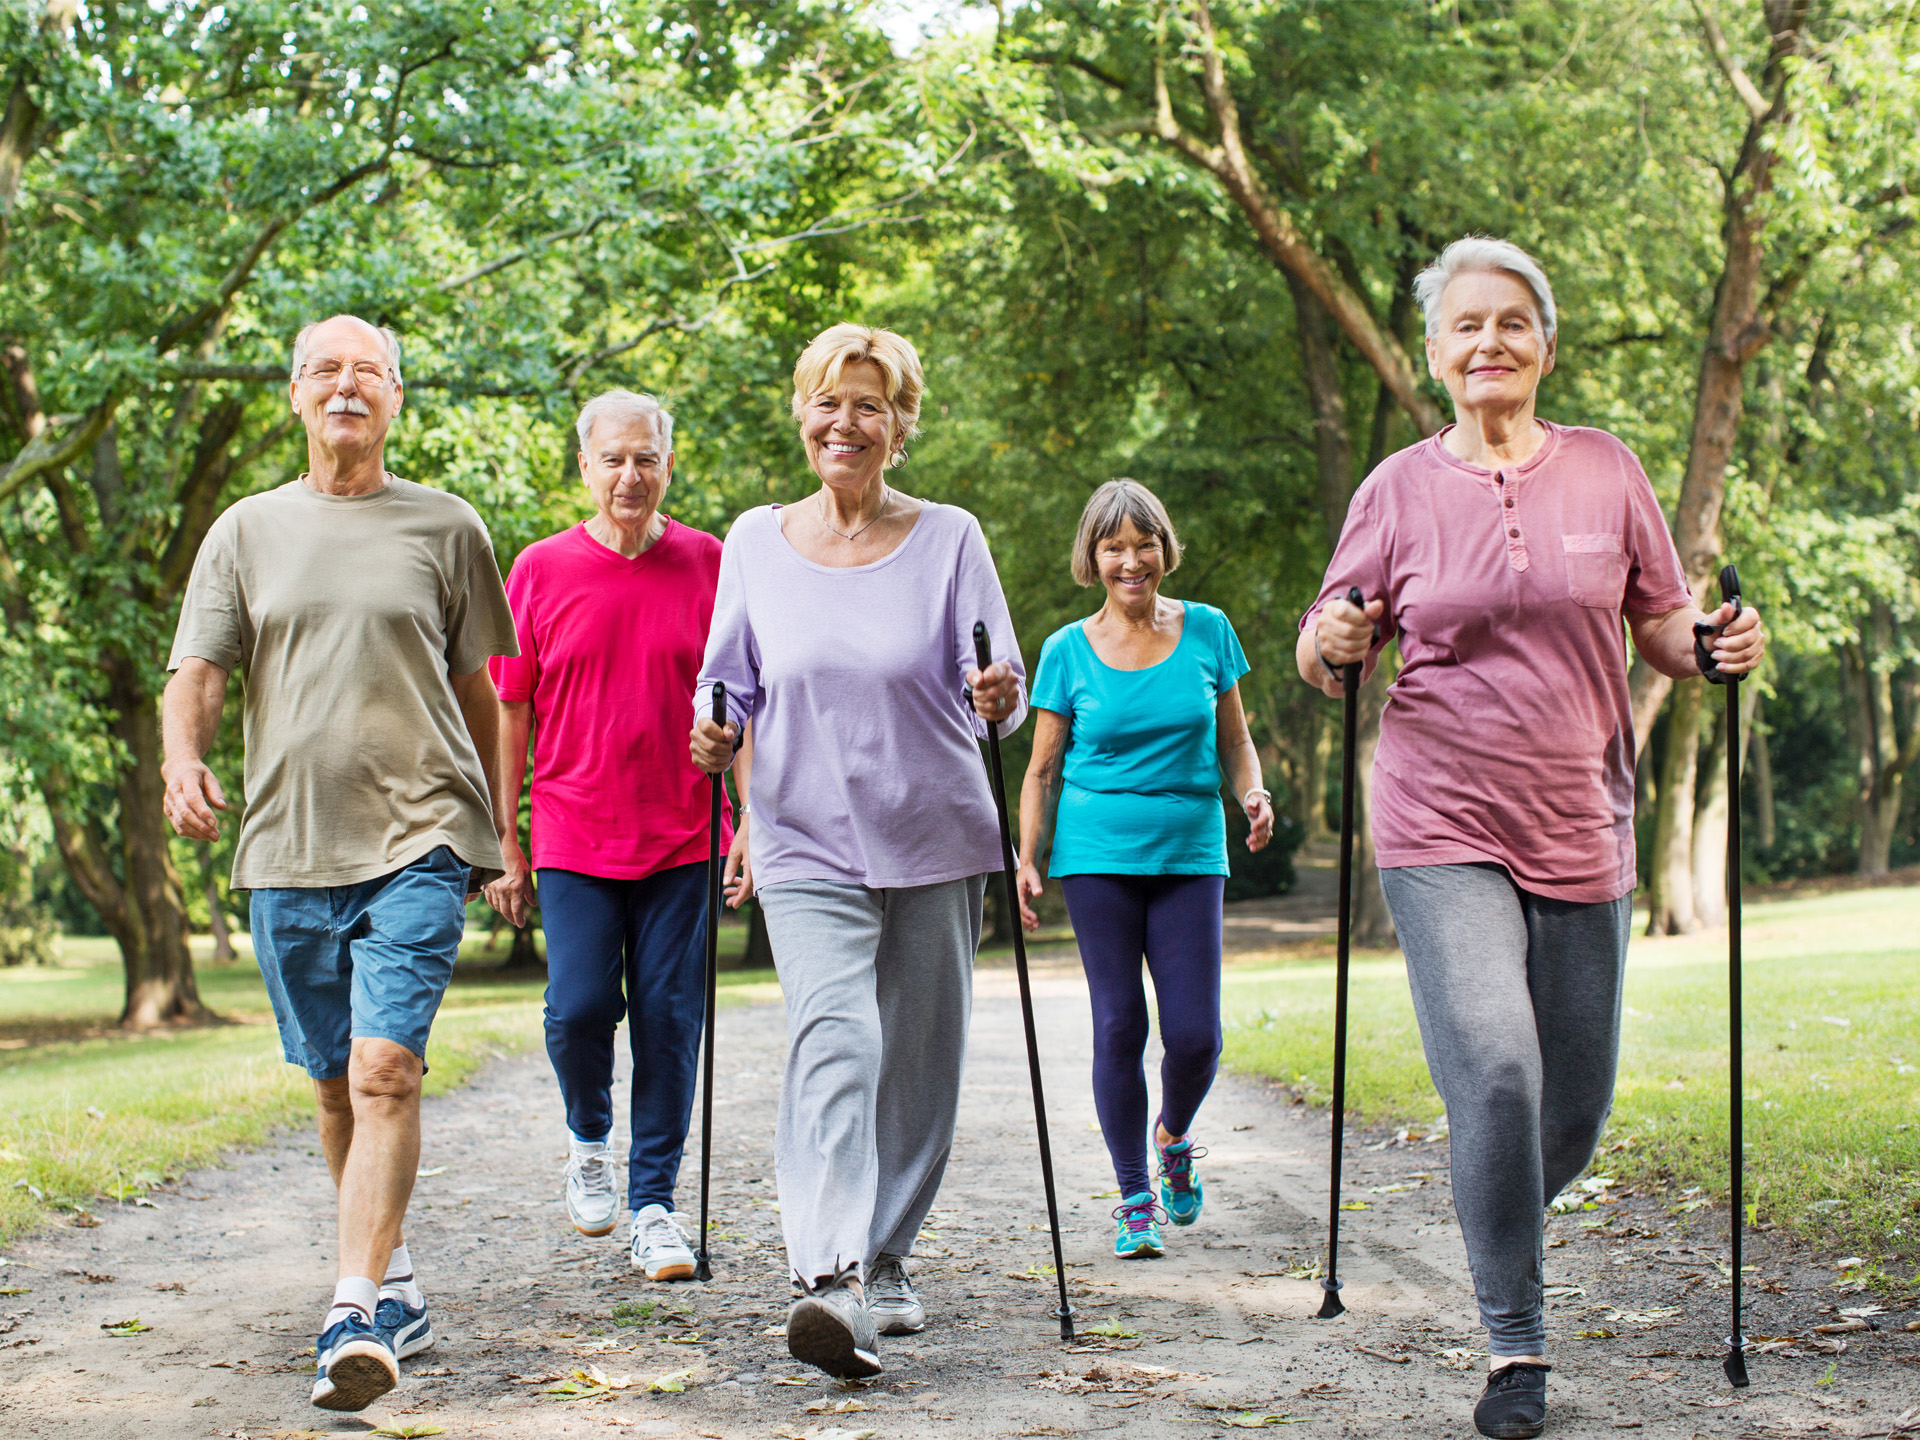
{"type": "Point", "coordinates": [363, 609]}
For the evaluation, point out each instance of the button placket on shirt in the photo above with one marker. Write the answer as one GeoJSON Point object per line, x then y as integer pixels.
{"type": "Point", "coordinates": [1510, 522]}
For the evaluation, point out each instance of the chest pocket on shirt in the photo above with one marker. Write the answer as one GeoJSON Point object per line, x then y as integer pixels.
{"type": "Point", "coordinates": [1596, 570]}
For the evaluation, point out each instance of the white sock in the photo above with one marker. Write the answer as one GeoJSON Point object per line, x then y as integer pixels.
{"type": "Point", "coordinates": [400, 1280]}
{"type": "Point", "coordinates": [588, 1147]}
{"type": "Point", "coordinates": [354, 1295]}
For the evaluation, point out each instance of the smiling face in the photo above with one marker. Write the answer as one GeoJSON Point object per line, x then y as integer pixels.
{"type": "Point", "coordinates": [346, 393]}
{"type": "Point", "coordinates": [1489, 349]}
{"type": "Point", "coordinates": [848, 428]}
{"type": "Point", "coordinates": [626, 468]}
{"type": "Point", "coordinates": [1131, 565]}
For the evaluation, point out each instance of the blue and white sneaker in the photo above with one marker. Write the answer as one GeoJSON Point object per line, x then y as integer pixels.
{"type": "Point", "coordinates": [355, 1366]}
{"type": "Point", "coordinates": [1139, 1237]}
{"type": "Point", "coordinates": [404, 1327]}
{"type": "Point", "coordinates": [1180, 1188]}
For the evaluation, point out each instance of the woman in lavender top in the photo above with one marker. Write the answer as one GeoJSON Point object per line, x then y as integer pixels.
{"type": "Point", "coordinates": [843, 629]}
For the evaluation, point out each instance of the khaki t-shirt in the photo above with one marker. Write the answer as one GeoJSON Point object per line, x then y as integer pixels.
{"type": "Point", "coordinates": [347, 614]}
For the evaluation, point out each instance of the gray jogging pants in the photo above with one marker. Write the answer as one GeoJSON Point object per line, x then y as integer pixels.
{"type": "Point", "coordinates": [879, 991]}
{"type": "Point", "coordinates": [1518, 997]}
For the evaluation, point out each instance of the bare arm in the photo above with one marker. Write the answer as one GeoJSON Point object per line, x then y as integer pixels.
{"type": "Point", "coordinates": [513, 893]}
{"type": "Point", "coordinates": [1039, 802]}
{"type": "Point", "coordinates": [480, 708]}
{"type": "Point", "coordinates": [1666, 641]}
{"type": "Point", "coordinates": [737, 876]}
{"type": "Point", "coordinates": [1240, 759]}
{"type": "Point", "coordinates": [189, 719]}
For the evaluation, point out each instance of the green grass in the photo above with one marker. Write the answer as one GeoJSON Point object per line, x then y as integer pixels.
{"type": "Point", "coordinates": [1832, 1117]}
{"type": "Point", "coordinates": [91, 1117]}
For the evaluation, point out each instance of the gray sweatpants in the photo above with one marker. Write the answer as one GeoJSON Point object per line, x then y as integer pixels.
{"type": "Point", "coordinates": [1518, 997]}
{"type": "Point", "coordinates": [879, 990]}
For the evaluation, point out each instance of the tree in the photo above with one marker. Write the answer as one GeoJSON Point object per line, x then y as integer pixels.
{"type": "Point", "coordinates": [528, 194]}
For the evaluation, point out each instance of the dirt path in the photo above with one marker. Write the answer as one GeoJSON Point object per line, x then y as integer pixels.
{"type": "Point", "coordinates": [230, 1272]}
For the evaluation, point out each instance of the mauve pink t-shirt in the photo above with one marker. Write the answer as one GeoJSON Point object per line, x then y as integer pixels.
{"type": "Point", "coordinates": [1507, 735]}
{"type": "Point", "coordinates": [609, 648]}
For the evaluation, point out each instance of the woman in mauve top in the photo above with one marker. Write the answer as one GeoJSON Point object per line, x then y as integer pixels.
{"type": "Point", "coordinates": [1503, 554]}
{"type": "Point", "coordinates": [843, 629]}
{"type": "Point", "coordinates": [1139, 713]}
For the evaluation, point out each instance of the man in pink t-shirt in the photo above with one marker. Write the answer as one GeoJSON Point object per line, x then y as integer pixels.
{"type": "Point", "coordinates": [612, 618]}
{"type": "Point", "coordinates": [1509, 557]}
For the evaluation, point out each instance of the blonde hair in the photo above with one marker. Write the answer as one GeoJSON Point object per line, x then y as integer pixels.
{"type": "Point", "coordinates": [832, 350]}
{"type": "Point", "coordinates": [1111, 506]}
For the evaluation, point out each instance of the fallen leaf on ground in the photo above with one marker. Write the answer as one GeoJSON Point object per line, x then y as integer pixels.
{"type": "Point", "coordinates": [1596, 1334]}
{"type": "Point", "coordinates": [1843, 1327]}
{"type": "Point", "coordinates": [1112, 1377]}
{"type": "Point", "coordinates": [429, 1174]}
{"type": "Point", "coordinates": [124, 1327]}
{"type": "Point", "coordinates": [1113, 1330]}
{"type": "Point", "coordinates": [84, 1221]}
{"type": "Point", "coordinates": [174, 1285]}
{"type": "Point", "coordinates": [1383, 1355]}
{"type": "Point", "coordinates": [825, 1406]}
{"type": "Point", "coordinates": [1355, 1205]}
{"type": "Point", "coordinates": [671, 1384]}
{"type": "Point", "coordinates": [395, 1431]}
{"type": "Point", "coordinates": [15, 1290]}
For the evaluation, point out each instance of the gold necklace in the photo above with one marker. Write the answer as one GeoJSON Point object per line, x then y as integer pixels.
{"type": "Point", "coordinates": [886, 499]}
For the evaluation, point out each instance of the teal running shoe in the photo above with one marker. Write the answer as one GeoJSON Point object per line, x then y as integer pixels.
{"type": "Point", "coordinates": [1180, 1188]}
{"type": "Point", "coordinates": [1139, 1237]}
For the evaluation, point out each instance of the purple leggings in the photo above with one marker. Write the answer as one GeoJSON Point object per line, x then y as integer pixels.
{"type": "Point", "coordinates": [1174, 921]}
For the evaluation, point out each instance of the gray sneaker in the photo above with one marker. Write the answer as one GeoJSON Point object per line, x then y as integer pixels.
{"type": "Point", "coordinates": [890, 1298]}
{"type": "Point", "coordinates": [831, 1329]}
{"type": "Point", "coordinates": [593, 1186]}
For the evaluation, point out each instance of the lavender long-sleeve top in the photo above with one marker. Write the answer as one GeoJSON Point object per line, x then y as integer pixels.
{"type": "Point", "coordinates": [866, 754]}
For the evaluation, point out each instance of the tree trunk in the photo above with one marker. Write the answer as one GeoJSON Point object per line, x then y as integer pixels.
{"type": "Point", "coordinates": [216, 913]}
{"type": "Point", "coordinates": [1883, 755]}
{"type": "Point", "coordinates": [524, 954]}
{"type": "Point", "coordinates": [160, 983]}
{"type": "Point", "coordinates": [1710, 822]}
{"type": "Point", "coordinates": [1671, 903]}
{"type": "Point", "coordinates": [759, 954]}
{"type": "Point", "coordinates": [1316, 756]}
{"type": "Point", "coordinates": [1755, 732]}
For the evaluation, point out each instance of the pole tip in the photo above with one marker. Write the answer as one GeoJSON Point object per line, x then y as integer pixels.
{"type": "Point", "coordinates": [1736, 1367]}
{"type": "Point", "coordinates": [1330, 1306]}
{"type": "Point", "coordinates": [1065, 1316]}
{"type": "Point", "coordinates": [701, 1269]}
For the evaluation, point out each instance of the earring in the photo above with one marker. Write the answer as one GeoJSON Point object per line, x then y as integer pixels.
{"type": "Point", "coordinates": [898, 459]}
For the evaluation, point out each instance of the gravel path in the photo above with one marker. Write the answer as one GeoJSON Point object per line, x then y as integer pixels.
{"type": "Point", "coordinates": [229, 1272]}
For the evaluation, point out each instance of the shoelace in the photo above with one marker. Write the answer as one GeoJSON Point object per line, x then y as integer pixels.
{"type": "Point", "coordinates": [596, 1172]}
{"type": "Point", "coordinates": [889, 1277]}
{"type": "Point", "coordinates": [1176, 1163]}
{"type": "Point", "coordinates": [662, 1232]}
{"type": "Point", "coordinates": [1507, 1376]}
{"type": "Point", "coordinates": [1139, 1216]}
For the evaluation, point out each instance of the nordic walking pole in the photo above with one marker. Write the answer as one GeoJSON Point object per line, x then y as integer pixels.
{"type": "Point", "coordinates": [701, 1269]}
{"type": "Point", "coordinates": [1330, 1306]}
{"type": "Point", "coordinates": [983, 654]}
{"type": "Point", "coordinates": [1736, 1362]}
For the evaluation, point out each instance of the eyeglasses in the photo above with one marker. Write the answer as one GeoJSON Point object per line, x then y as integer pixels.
{"type": "Point", "coordinates": [369, 373]}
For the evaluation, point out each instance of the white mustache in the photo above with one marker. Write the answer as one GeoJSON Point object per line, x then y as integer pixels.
{"type": "Point", "coordinates": [347, 405]}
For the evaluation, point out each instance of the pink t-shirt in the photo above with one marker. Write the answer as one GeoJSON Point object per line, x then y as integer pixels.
{"type": "Point", "coordinates": [1507, 736]}
{"type": "Point", "coordinates": [609, 650]}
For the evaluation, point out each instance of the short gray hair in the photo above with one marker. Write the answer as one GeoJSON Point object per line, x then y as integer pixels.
{"type": "Point", "coordinates": [1111, 506]}
{"type": "Point", "coordinates": [625, 404]}
{"type": "Point", "coordinates": [1480, 253]}
{"type": "Point", "coordinates": [387, 337]}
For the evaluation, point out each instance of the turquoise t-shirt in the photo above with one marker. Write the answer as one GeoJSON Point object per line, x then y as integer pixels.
{"type": "Point", "coordinates": [1141, 791]}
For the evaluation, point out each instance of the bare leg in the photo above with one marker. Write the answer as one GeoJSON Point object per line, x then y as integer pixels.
{"type": "Point", "coordinates": [376, 1180]}
{"type": "Point", "coordinates": [333, 1101]}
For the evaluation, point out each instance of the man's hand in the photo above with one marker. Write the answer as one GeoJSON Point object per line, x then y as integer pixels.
{"type": "Point", "coordinates": [513, 894]}
{"type": "Point", "coordinates": [712, 745]}
{"type": "Point", "coordinates": [994, 691]}
{"type": "Point", "coordinates": [1740, 646]}
{"type": "Point", "coordinates": [1344, 633]}
{"type": "Point", "coordinates": [192, 795]}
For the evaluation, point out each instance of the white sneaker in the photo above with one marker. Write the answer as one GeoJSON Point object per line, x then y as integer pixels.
{"type": "Point", "coordinates": [659, 1249]}
{"type": "Point", "coordinates": [593, 1176]}
{"type": "Point", "coordinates": [891, 1300]}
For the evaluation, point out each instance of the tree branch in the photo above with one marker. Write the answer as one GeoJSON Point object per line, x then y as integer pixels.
{"type": "Point", "coordinates": [45, 453]}
{"type": "Point", "coordinates": [1744, 87]}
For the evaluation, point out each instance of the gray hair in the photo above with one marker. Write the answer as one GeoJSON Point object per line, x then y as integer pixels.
{"type": "Point", "coordinates": [1111, 506]}
{"type": "Point", "coordinates": [626, 405]}
{"type": "Point", "coordinates": [387, 338]}
{"type": "Point", "coordinates": [1480, 253]}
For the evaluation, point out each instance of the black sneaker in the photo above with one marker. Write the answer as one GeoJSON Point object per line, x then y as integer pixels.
{"type": "Point", "coordinates": [1514, 1406]}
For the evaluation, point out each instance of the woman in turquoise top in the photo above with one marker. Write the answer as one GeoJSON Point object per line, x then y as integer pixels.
{"type": "Point", "coordinates": [1139, 713]}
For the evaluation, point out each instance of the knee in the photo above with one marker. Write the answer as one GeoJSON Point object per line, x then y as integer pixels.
{"type": "Point", "coordinates": [1502, 1087]}
{"type": "Point", "coordinates": [1192, 1048]}
{"type": "Point", "coordinates": [383, 1073]}
{"type": "Point", "coordinates": [1120, 1036]}
{"type": "Point", "coordinates": [334, 1097]}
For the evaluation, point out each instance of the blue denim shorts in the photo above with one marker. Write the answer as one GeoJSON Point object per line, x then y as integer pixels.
{"type": "Point", "coordinates": [360, 962]}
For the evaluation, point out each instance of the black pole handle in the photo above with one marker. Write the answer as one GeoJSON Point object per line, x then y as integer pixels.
{"type": "Point", "coordinates": [1704, 630]}
{"type": "Point", "coordinates": [982, 645]}
{"type": "Point", "coordinates": [720, 703]}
